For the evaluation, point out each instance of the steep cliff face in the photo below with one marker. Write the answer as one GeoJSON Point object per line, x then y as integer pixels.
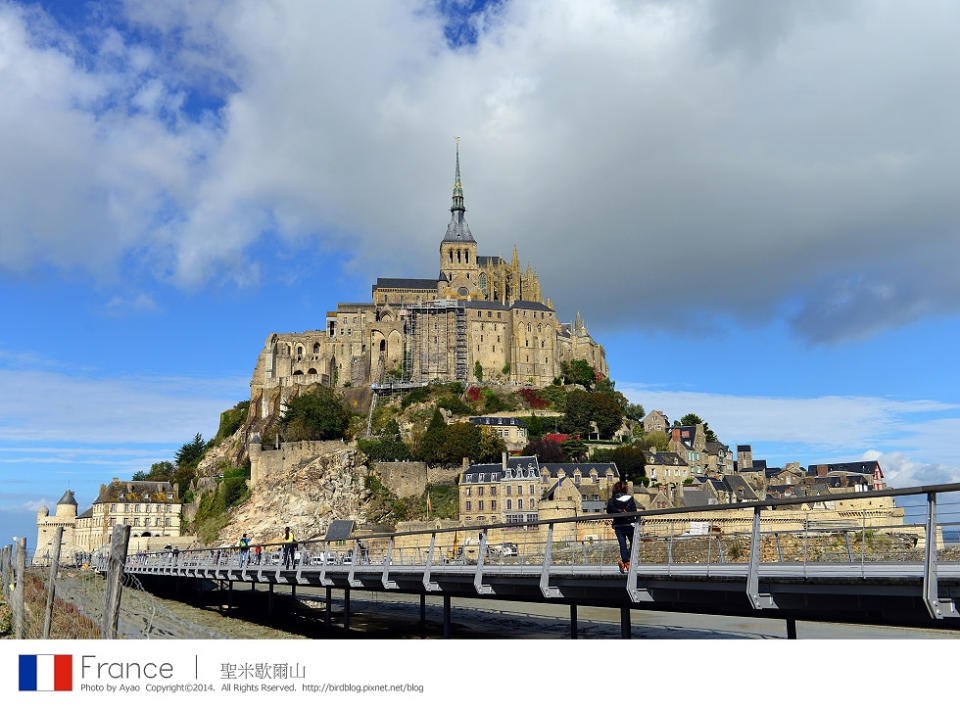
{"type": "Point", "coordinates": [306, 498]}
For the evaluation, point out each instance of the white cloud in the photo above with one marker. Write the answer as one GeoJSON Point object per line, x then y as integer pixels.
{"type": "Point", "coordinates": [793, 161]}
{"type": "Point", "coordinates": [141, 303]}
{"type": "Point", "coordinates": [900, 470]}
{"type": "Point", "coordinates": [830, 426]}
{"type": "Point", "coordinates": [49, 406]}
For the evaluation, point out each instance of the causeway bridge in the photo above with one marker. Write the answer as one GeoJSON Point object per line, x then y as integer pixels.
{"type": "Point", "coordinates": [873, 565]}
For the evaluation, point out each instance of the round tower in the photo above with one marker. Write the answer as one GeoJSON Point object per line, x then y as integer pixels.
{"type": "Point", "coordinates": [67, 506]}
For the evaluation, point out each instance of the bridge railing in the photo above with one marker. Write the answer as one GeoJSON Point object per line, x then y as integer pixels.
{"type": "Point", "coordinates": [803, 535]}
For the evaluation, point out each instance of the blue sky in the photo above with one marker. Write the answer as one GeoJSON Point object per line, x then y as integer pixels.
{"type": "Point", "coordinates": [752, 207]}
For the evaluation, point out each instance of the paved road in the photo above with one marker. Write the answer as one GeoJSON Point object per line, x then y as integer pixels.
{"type": "Point", "coordinates": [493, 619]}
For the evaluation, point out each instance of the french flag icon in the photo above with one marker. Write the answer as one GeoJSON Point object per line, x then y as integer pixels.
{"type": "Point", "coordinates": [46, 673]}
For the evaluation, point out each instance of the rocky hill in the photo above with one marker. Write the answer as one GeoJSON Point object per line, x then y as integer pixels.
{"type": "Point", "coordinates": [307, 499]}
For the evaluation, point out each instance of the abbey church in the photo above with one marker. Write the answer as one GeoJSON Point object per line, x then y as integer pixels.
{"type": "Point", "coordinates": [478, 310]}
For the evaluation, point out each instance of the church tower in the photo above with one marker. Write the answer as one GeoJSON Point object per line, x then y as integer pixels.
{"type": "Point", "coordinates": [459, 272]}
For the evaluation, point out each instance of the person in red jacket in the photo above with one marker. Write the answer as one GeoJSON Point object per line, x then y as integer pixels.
{"type": "Point", "coordinates": [622, 501]}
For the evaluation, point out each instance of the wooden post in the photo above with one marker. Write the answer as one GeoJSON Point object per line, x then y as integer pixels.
{"type": "Point", "coordinates": [52, 583]}
{"type": "Point", "coordinates": [327, 612]}
{"type": "Point", "coordinates": [573, 621]}
{"type": "Point", "coordinates": [119, 541]}
{"type": "Point", "coordinates": [625, 627]}
{"type": "Point", "coordinates": [346, 609]}
{"type": "Point", "coordinates": [5, 574]}
{"type": "Point", "coordinates": [19, 568]}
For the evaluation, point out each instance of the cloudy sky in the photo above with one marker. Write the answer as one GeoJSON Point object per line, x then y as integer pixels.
{"type": "Point", "coordinates": [751, 204]}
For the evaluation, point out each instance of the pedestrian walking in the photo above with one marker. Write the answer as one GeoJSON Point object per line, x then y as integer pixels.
{"type": "Point", "coordinates": [244, 546]}
{"type": "Point", "coordinates": [289, 543]}
{"type": "Point", "coordinates": [257, 551]}
{"type": "Point", "coordinates": [622, 501]}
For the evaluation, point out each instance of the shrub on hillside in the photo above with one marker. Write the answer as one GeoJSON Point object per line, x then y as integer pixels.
{"type": "Point", "coordinates": [317, 415]}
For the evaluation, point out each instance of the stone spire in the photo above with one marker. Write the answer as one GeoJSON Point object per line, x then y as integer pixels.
{"type": "Point", "coordinates": [457, 229]}
{"type": "Point", "coordinates": [578, 324]}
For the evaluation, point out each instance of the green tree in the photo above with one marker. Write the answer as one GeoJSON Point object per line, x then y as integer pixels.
{"type": "Point", "coordinates": [478, 372]}
{"type": "Point", "coordinates": [490, 448]}
{"type": "Point", "coordinates": [139, 475]}
{"type": "Point", "coordinates": [578, 371]}
{"type": "Point", "coordinates": [432, 443]}
{"type": "Point", "coordinates": [577, 413]}
{"type": "Point", "coordinates": [630, 460]}
{"type": "Point", "coordinates": [658, 440]}
{"type": "Point", "coordinates": [317, 415]}
{"type": "Point", "coordinates": [547, 451]}
{"type": "Point", "coordinates": [190, 453]}
{"type": "Point", "coordinates": [606, 412]}
{"type": "Point", "coordinates": [391, 431]}
{"type": "Point", "coordinates": [574, 449]}
{"type": "Point", "coordinates": [693, 420]}
{"type": "Point", "coordinates": [634, 412]}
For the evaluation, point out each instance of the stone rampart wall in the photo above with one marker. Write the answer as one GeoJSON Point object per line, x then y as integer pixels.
{"type": "Point", "coordinates": [290, 455]}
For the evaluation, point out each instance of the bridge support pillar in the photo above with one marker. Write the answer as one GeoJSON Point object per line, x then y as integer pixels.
{"type": "Point", "coordinates": [446, 616]}
{"type": "Point", "coordinates": [573, 621]}
{"type": "Point", "coordinates": [253, 585]}
{"type": "Point", "coordinates": [270, 600]}
{"type": "Point", "coordinates": [327, 610]}
{"type": "Point", "coordinates": [625, 629]}
{"type": "Point", "coordinates": [293, 591]}
{"type": "Point", "coordinates": [423, 610]}
{"type": "Point", "coordinates": [791, 629]}
{"type": "Point", "coordinates": [230, 594]}
{"type": "Point", "coordinates": [346, 609]}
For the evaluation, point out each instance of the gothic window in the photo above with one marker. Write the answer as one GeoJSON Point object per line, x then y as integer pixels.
{"type": "Point", "coordinates": [451, 255]}
{"type": "Point", "coordinates": [483, 283]}
{"type": "Point", "coordinates": [458, 255]}
{"type": "Point", "coordinates": [463, 292]}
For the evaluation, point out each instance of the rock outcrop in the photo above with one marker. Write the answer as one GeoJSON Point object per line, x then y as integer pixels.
{"type": "Point", "coordinates": [306, 498]}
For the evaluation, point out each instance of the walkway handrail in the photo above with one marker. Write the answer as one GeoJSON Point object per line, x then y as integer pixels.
{"type": "Point", "coordinates": [770, 503]}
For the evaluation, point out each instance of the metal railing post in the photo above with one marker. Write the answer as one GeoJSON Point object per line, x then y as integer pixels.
{"type": "Point", "coordinates": [429, 585]}
{"type": "Point", "coordinates": [931, 591]}
{"type": "Point", "coordinates": [545, 588]}
{"type": "Point", "coordinates": [757, 600]}
{"type": "Point", "coordinates": [385, 578]}
{"type": "Point", "coordinates": [478, 584]}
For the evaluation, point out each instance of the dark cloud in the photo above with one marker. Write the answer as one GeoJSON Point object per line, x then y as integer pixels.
{"type": "Point", "coordinates": [661, 164]}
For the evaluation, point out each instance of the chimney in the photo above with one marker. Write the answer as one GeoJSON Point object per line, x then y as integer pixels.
{"type": "Point", "coordinates": [503, 459]}
{"type": "Point", "coordinates": [675, 434]}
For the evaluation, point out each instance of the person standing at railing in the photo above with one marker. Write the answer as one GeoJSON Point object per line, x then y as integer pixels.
{"type": "Point", "coordinates": [289, 543]}
{"type": "Point", "coordinates": [244, 546]}
{"type": "Point", "coordinates": [257, 551]}
{"type": "Point", "coordinates": [622, 501]}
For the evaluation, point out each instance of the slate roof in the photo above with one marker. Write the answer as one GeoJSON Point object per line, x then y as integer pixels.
{"type": "Point", "coordinates": [697, 497]}
{"type": "Point", "coordinates": [485, 305]}
{"type": "Point", "coordinates": [743, 448]}
{"type": "Point", "coordinates": [497, 421]}
{"type": "Point", "coordinates": [137, 491]}
{"type": "Point", "coordinates": [489, 260]}
{"type": "Point", "coordinates": [68, 499]}
{"type": "Point", "coordinates": [866, 467]}
{"type": "Point", "coordinates": [518, 468]}
{"type": "Point", "coordinates": [410, 283]}
{"type": "Point", "coordinates": [554, 469]}
{"type": "Point", "coordinates": [735, 482]}
{"type": "Point", "coordinates": [84, 515]}
{"type": "Point", "coordinates": [664, 459]}
{"type": "Point", "coordinates": [529, 305]}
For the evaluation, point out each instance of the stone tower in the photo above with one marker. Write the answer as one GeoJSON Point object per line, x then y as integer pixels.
{"type": "Point", "coordinates": [65, 517]}
{"type": "Point", "coordinates": [459, 271]}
